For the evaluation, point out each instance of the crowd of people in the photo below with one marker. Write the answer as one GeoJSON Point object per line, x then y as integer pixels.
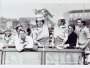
{"type": "Point", "coordinates": [58, 36]}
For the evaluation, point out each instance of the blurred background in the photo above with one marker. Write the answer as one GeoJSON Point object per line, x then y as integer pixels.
{"type": "Point", "coordinates": [13, 13]}
{"type": "Point", "coordinates": [21, 12]}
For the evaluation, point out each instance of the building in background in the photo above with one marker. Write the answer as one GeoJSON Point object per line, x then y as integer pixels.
{"type": "Point", "coordinates": [73, 15]}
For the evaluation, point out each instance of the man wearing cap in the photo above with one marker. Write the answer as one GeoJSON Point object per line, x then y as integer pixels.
{"type": "Point", "coordinates": [8, 39]}
{"type": "Point", "coordinates": [41, 32]}
{"type": "Point", "coordinates": [60, 31]}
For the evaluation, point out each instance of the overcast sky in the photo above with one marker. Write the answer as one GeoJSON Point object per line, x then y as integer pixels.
{"type": "Point", "coordinates": [24, 8]}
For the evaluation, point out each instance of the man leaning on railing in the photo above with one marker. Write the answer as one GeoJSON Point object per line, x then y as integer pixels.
{"type": "Point", "coordinates": [7, 39]}
{"type": "Point", "coordinates": [70, 43]}
{"type": "Point", "coordinates": [22, 41]}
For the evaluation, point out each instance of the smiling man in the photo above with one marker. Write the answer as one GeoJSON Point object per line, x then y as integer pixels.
{"type": "Point", "coordinates": [7, 39]}
{"type": "Point", "coordinates": [23, 41]}
{"type": "Point", "coordinates": [70, 43]}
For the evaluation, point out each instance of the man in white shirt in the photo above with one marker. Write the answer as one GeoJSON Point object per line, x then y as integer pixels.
{"type": "Point", "coordinates": [60, 31]}
{"type": "Point", "coordinates": [7, 39]}
{"type": "Point", "coordinates": [41, 32]}
{"type": "Point", "coordinates": [18, 27]}
{"type": "Point", "coordinates": [83, 35]}
{"type": "Point", "coordinates": [22, 41]}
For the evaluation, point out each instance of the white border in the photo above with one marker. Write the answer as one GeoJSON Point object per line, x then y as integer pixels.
{"type": "Point", "coordinates": [45, 1]}
{"type": "Point", "coordinates": [44, 66]}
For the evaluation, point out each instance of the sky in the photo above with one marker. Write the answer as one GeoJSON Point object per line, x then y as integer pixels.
{"type": "Point", "coordinates": [25, 8]}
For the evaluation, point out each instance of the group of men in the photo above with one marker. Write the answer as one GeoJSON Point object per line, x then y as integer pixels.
{"type": "Point", "coordinates": [74, 36]}
{"type": "Point", "coordinates": [78, 36]}
{"type": "Point", "coordinates": [20, 40]}
{"type": "Point", "coordinates": [70, 37]}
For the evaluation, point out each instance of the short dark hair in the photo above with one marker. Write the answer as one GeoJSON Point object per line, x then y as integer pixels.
{"type": "Point", "coordinates": [28, 31]}
{"type": "Point", "coordinates": [84, 23]}
{"type": "Point", "coordinates": [73, 26]}
{"type": "Point", "coordinates": [18, 27]}
{"type": "Point", "coordinates": [22, 31]}
{"type": "Point", "coordinates": [79, 19]}
{"type": "Point", "coordinates": [41, 20]}
{"type": "Point", "coordinates": [62, 21]}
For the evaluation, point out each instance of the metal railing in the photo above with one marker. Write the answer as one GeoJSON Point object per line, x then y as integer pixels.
{"type": "Point", "coordinates": [43, 55]}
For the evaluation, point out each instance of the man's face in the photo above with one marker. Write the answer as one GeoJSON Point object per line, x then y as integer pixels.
{"type": "Point", "coordinates": [70, 29]}
{"type": "Point", "coordinates": [60, 22]}
{"type": "Point", "coordinates": [19, 28]}
{"type": "Point", "coordinates": [8, 33]}
{"type": "Point", "coordinates": [39, 23]}
{"type": "Point", "coordinates": [22, 34]}
{"type": "Point", "coordinates": [79, 23]}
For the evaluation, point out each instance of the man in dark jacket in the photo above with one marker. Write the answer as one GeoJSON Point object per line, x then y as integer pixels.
{"type": "Point", "coordinates": [72, 38]}
{"type": "Point", "coordinates": [70, 43]}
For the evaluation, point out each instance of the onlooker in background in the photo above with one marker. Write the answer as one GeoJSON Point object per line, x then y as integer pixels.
{"type": "Point", "coordinates": [78, 27]}
{"type": "Point", "coordinates": [28, 31]}
{"type": "Point", "coordinates": [1, 35]}
{"type": "Point", "coordinates": [7, 40]}
{"type": "Point", "coordinates": [19, 27]}
{"type": "Point", "coordinates": [83, 35]}
{"type": "Point", "coordinates": [23, 41]}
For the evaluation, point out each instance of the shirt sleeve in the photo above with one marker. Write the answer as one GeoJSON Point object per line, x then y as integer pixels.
{"type": "Point", "coordinates": [87, 33]}
{"type": "Point", "coordinates": [17, 44]}
{"type": "Point", "coordinates": [30, 42]}
{"type": "Point", "coordinates": [11, 43]}
{"type": "Point", "coordinates": [67, 42]}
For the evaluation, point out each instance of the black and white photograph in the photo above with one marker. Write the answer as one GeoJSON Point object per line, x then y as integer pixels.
{"type": "Point", "coordinates": [44, 33]}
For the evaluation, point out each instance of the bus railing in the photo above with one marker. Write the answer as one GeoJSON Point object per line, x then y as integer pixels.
{"type": "Point", "coordinates": [43, 54]}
